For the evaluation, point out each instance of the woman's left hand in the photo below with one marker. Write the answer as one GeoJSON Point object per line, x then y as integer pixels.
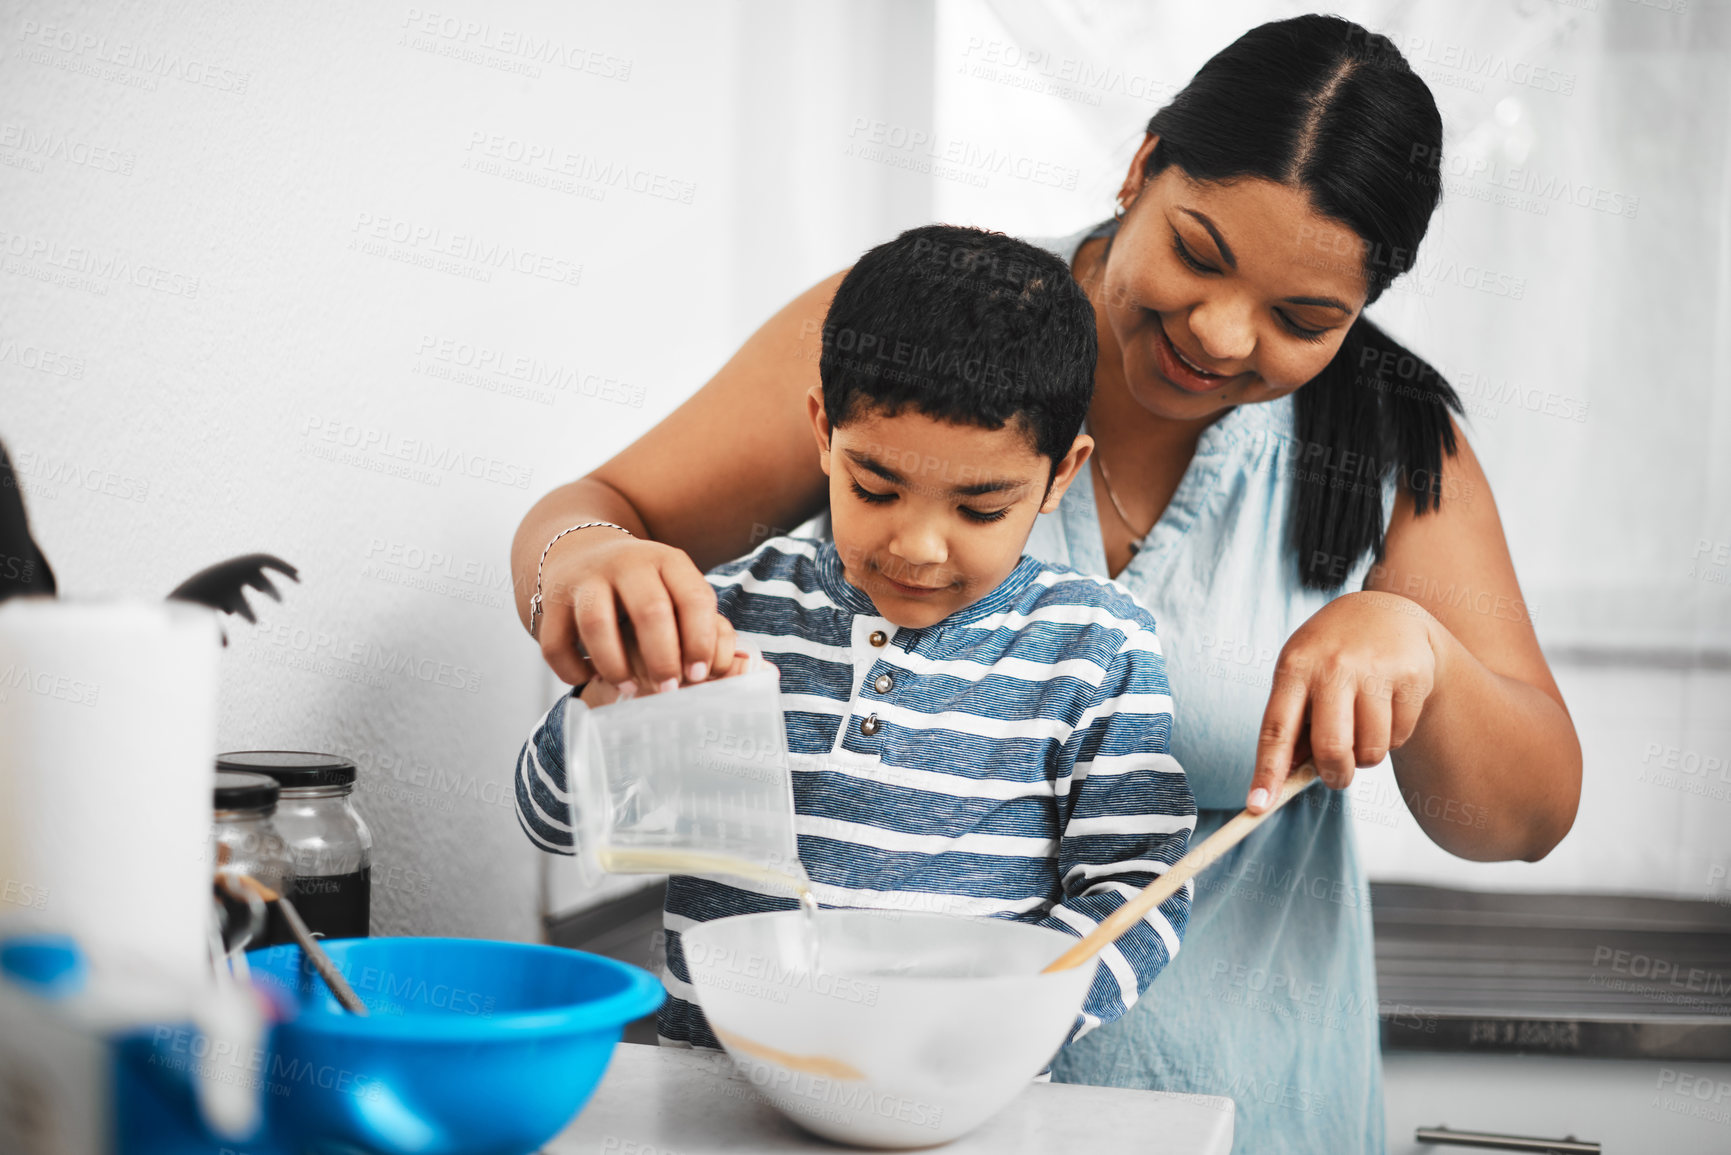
{"type": "Point", "coordinates": [1349, 687]}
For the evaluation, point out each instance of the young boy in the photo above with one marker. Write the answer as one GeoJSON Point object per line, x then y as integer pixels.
{"type": "Point", "coordinates": [970, 730]}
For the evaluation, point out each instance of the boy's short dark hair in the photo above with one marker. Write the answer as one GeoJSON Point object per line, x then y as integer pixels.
{"type": "Point", "coordinates": [964, 325]}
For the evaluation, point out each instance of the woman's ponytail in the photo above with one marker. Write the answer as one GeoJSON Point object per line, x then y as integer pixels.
{"type": "Point", "coordinates": [1376, 411]}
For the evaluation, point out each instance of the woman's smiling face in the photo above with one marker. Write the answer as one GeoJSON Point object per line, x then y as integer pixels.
{"type": "Point", "coordinates": [1218, 295]}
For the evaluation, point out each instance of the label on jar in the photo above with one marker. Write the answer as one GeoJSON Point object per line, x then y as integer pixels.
{"type": "Point", "coordinates": [334, 905]}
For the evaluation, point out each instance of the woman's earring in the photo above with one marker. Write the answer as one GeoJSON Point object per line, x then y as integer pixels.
{"type": "Point", "coordinates": [1122, 209]}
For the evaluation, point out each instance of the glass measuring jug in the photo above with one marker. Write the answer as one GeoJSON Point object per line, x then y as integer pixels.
{"type": "Point", "coordinates": [691, 781]}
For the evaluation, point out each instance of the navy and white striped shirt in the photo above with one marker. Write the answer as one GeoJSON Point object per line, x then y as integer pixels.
{"type": "Point", "coordinates": [1013, 763]}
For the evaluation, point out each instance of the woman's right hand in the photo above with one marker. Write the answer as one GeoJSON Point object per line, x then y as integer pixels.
{"type": "Point", "coordinates": [635, 613]}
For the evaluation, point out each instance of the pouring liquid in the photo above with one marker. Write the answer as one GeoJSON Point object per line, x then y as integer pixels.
{"type": "Point", "coordinates": [813, 945]}
{"type": "Point", "coordinates": [625, 861]}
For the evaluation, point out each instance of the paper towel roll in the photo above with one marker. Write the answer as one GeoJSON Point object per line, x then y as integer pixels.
{"type": "Point", "coordinates": [107, 755]}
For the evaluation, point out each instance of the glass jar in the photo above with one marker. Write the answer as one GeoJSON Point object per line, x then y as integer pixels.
{"type": "Point", "coordinates": [328, 842]}
{"type": "Point", "coordinates": [247, 842]}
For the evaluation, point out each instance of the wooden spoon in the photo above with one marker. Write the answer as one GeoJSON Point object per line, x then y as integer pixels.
{"type": "Point", "coordinates": [821, 1065]}
{"type": "Point", "coordinates": [1200, 858]}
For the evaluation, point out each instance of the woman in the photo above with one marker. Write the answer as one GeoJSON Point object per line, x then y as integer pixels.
{"type": "Point", "coordinates": [1276, 478]}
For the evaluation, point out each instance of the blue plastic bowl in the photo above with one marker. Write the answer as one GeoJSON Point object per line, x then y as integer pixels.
{"type": "Point", "coordinates": [470, 1046]}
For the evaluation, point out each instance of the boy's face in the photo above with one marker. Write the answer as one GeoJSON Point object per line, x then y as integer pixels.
{"type": "Point", "coordinates": [931, 516]}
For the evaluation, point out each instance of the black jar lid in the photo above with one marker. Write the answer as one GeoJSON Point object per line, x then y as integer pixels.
{"type": "Point", "coordinates": [245, 791]}
{"type": "Point", "coordinates": [292, 769]}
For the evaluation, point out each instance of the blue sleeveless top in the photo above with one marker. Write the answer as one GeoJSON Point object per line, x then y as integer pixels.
{"type": "Point", "coordinates": [1272, 998]}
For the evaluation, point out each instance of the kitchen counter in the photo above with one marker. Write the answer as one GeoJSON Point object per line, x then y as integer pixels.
{"type": "Point", "coordinates": [664, 1101]}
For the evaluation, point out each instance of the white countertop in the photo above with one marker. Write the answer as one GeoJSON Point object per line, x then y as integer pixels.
{"type": "Point", "coordinates": [666, 1101]}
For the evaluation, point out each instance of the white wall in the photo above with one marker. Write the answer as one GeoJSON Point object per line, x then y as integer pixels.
{"type": "Point", "coordinates": [290, 272]}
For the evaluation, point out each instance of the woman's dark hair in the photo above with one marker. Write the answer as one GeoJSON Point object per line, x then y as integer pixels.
{"type": "Point", "coordinates": [1320, 104]}
{"type": "Point", "coordinates": [964, 325]}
